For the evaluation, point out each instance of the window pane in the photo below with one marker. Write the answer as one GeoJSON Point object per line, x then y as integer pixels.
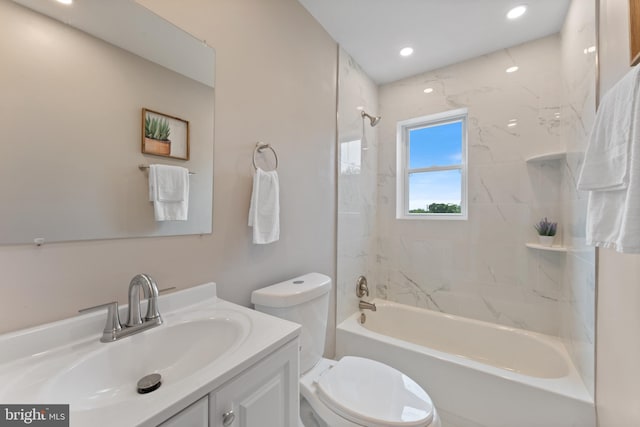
{"type": "Point", "coordinates": [439, 145]}
{"type": "Point", "coordinates": [435, 192]}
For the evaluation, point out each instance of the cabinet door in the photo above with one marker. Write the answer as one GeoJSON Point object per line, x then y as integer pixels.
{"type": "Point", "coordinates": [265, 395]}
{"type": "Point", "coordinates": [195, 415]}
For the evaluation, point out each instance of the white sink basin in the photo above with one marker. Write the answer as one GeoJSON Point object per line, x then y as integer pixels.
{"type": "Point", "coordinates": [203, 342]}
{"type": "Point", "coordinates": [110, 374]}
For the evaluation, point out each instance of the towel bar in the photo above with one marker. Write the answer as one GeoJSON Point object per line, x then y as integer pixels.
{"type": "Point", "coordinates": [143, 167]}
{"type": "Point", "coordinates": [261, 146]}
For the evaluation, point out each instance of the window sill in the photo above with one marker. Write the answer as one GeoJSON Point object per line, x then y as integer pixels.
{"type": "Point", "coordinates": [420, 217]}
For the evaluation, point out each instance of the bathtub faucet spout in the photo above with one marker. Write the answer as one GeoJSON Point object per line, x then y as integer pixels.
{"type": "Point", "coordinates": [363, 305]}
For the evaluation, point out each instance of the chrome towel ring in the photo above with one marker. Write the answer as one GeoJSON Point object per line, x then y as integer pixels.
{"type": "Point", "coordinates": [260, 146]}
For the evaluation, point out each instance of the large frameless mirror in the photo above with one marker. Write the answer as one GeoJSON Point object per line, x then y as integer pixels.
{"type": "Point", "coordinates": [75, 81]}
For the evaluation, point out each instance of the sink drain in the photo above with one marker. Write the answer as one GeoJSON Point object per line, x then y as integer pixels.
{"type": "Point", "coordinates": [149, 383]}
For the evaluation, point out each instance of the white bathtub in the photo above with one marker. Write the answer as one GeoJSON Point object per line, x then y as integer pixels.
{"type": "Point", "coordinates": [481, 373]}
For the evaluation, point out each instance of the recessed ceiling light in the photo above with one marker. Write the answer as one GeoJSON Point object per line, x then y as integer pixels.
{"type": "Point", "coordinates": [406, 51]}
{"type": "Point", "coordinates": [360, 108]}
{"type": "Point", "coordinates": [517, 12]}
{"type": "Point", "coordinates": [428, 90]}
{"type": "Point", "coordinates": [512, 69]}
{"type": "Point", "coordinates": [65, 2]}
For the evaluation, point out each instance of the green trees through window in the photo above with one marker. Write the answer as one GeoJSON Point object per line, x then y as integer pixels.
{"type": "Point", "coordinates": [438, 208]}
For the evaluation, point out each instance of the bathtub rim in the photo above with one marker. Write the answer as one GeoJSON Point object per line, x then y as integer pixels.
{"type": "Point", "coordinates": [570, 385]}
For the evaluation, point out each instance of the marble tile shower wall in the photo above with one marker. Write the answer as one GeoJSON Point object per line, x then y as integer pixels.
{"type": "Point", "coordinates": [357, 190]}
{"type": "Point", "coordinates": [480, 268]}
{"type": "Point", "coordinates": [578, 111]}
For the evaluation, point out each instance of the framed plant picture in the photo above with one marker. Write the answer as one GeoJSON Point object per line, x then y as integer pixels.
{"type": "Point", "coordinates": [634, 31]}
{"type": "Point", "coordinates": [164, 135]}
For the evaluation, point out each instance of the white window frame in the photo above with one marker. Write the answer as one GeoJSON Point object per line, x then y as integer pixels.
{"type": "Point", "coordinates": [403, 170]}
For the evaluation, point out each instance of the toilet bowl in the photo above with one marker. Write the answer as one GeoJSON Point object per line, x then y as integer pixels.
{"type": "Point", "coordinates": [353, 391]}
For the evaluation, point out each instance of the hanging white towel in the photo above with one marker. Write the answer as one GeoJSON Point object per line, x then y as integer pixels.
{"type": "Point", "coordinates": [264, 210]}
{"type": "Point", "coordinates": [613, 209]}
{"type": "Point", "coordinates": [613, 217]}
{"type": "Point", "coordinates": [606, 160]}
{"type": "Point", "coordinates": [169, 192]}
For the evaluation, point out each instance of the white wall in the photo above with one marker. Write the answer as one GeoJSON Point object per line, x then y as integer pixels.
{"type": "Point", "coordinates": [270, 86]}
{"type": "Point", "coordinates": [618, 312]}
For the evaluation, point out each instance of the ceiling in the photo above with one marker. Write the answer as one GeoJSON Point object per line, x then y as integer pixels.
{"type": "Point", "coordinates": [441, 32]}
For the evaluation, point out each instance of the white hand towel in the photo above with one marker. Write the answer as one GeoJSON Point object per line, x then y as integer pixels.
{"type": "Point", "coordinates": [169, 192]}
{"type": "Point", "coordinates": [264, 210]}
{"type": "Point", "coordinates": [613, 213]}
{"type": "Point", "coordinates": [613, 217]}
{"type": "Point", "coordinates": [606, 160]}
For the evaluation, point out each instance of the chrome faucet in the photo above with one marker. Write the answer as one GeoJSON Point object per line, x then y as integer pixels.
{"type": "Point", "coordinates": [363, 305]}
{"type": "Point", "coordinates": [150, 290]}
{"type": "Point", "coordinates": [362, 289]}
{"type": "Point", "coordinates": [113, 329]}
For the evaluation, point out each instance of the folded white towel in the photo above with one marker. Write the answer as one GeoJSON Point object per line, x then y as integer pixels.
{"type": "Point", "coordinates": [169, 192]}
{"type": "Point", "coordinates": [606, 160]}
{"type": "Point", "coordinates": [613, 213]}
{"type": "Point", "coordinates": [264, 210]}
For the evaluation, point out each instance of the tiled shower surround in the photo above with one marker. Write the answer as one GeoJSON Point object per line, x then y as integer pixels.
{"type": "Point", "coordinates": [481, 268]}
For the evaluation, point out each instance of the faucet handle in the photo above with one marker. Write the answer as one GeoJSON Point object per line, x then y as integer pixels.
{"type": "Point", "coordinates": [361, 287]}
{"type": "Point", "coordinates": [113, 320]}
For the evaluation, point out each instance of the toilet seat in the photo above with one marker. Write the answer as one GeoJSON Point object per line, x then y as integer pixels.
{"type": "Point", "coordinates": [371, 393]}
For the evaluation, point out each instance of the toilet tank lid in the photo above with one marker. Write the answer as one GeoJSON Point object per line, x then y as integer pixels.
{"type": "Point", "coordinates": [293, 291]}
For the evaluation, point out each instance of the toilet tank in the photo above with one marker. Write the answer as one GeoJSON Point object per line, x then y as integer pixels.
{"type": "Point", "coordinates": [303, 300]}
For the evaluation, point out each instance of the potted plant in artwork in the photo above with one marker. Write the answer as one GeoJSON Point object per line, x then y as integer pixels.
{"type": "Point", "coordinates": [156, 136]}
{"type": "Point", "coordinates": [546, 231]}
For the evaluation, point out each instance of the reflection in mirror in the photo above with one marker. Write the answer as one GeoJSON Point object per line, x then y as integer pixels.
{"type": "Point", "coordinates": [72, 104]}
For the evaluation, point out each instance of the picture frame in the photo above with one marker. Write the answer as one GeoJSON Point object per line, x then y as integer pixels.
{"type": "Point", "coordinates": [634, 31]}
{"type": "Point", "coordinates": [164, 135]}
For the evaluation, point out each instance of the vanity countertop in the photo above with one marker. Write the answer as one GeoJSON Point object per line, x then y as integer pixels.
{"type": "Point", "coordinates": [203, 342]}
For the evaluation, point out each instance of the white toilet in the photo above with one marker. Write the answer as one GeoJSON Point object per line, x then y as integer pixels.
{"type": "Point", "coordinates": [353, 391]}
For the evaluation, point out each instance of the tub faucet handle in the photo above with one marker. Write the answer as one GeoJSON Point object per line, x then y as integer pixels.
{"type": "Point", "coordinates": [361, 287]}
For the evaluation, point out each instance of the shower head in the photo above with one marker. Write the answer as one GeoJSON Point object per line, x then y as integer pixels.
{"type": "Point", "coordinates": [374, 120]}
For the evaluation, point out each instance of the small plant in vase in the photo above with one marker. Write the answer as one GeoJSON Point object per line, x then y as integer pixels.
{"type": "Point", "coordinates": [156, 134]}
{"type": "Point", "coordinates": [546, 231]}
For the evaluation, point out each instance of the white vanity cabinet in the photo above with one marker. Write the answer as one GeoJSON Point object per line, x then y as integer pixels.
{"type": "Point", "coordinates": [264, 395]}
{"type": "Point", "coordinates": [194, 415]}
